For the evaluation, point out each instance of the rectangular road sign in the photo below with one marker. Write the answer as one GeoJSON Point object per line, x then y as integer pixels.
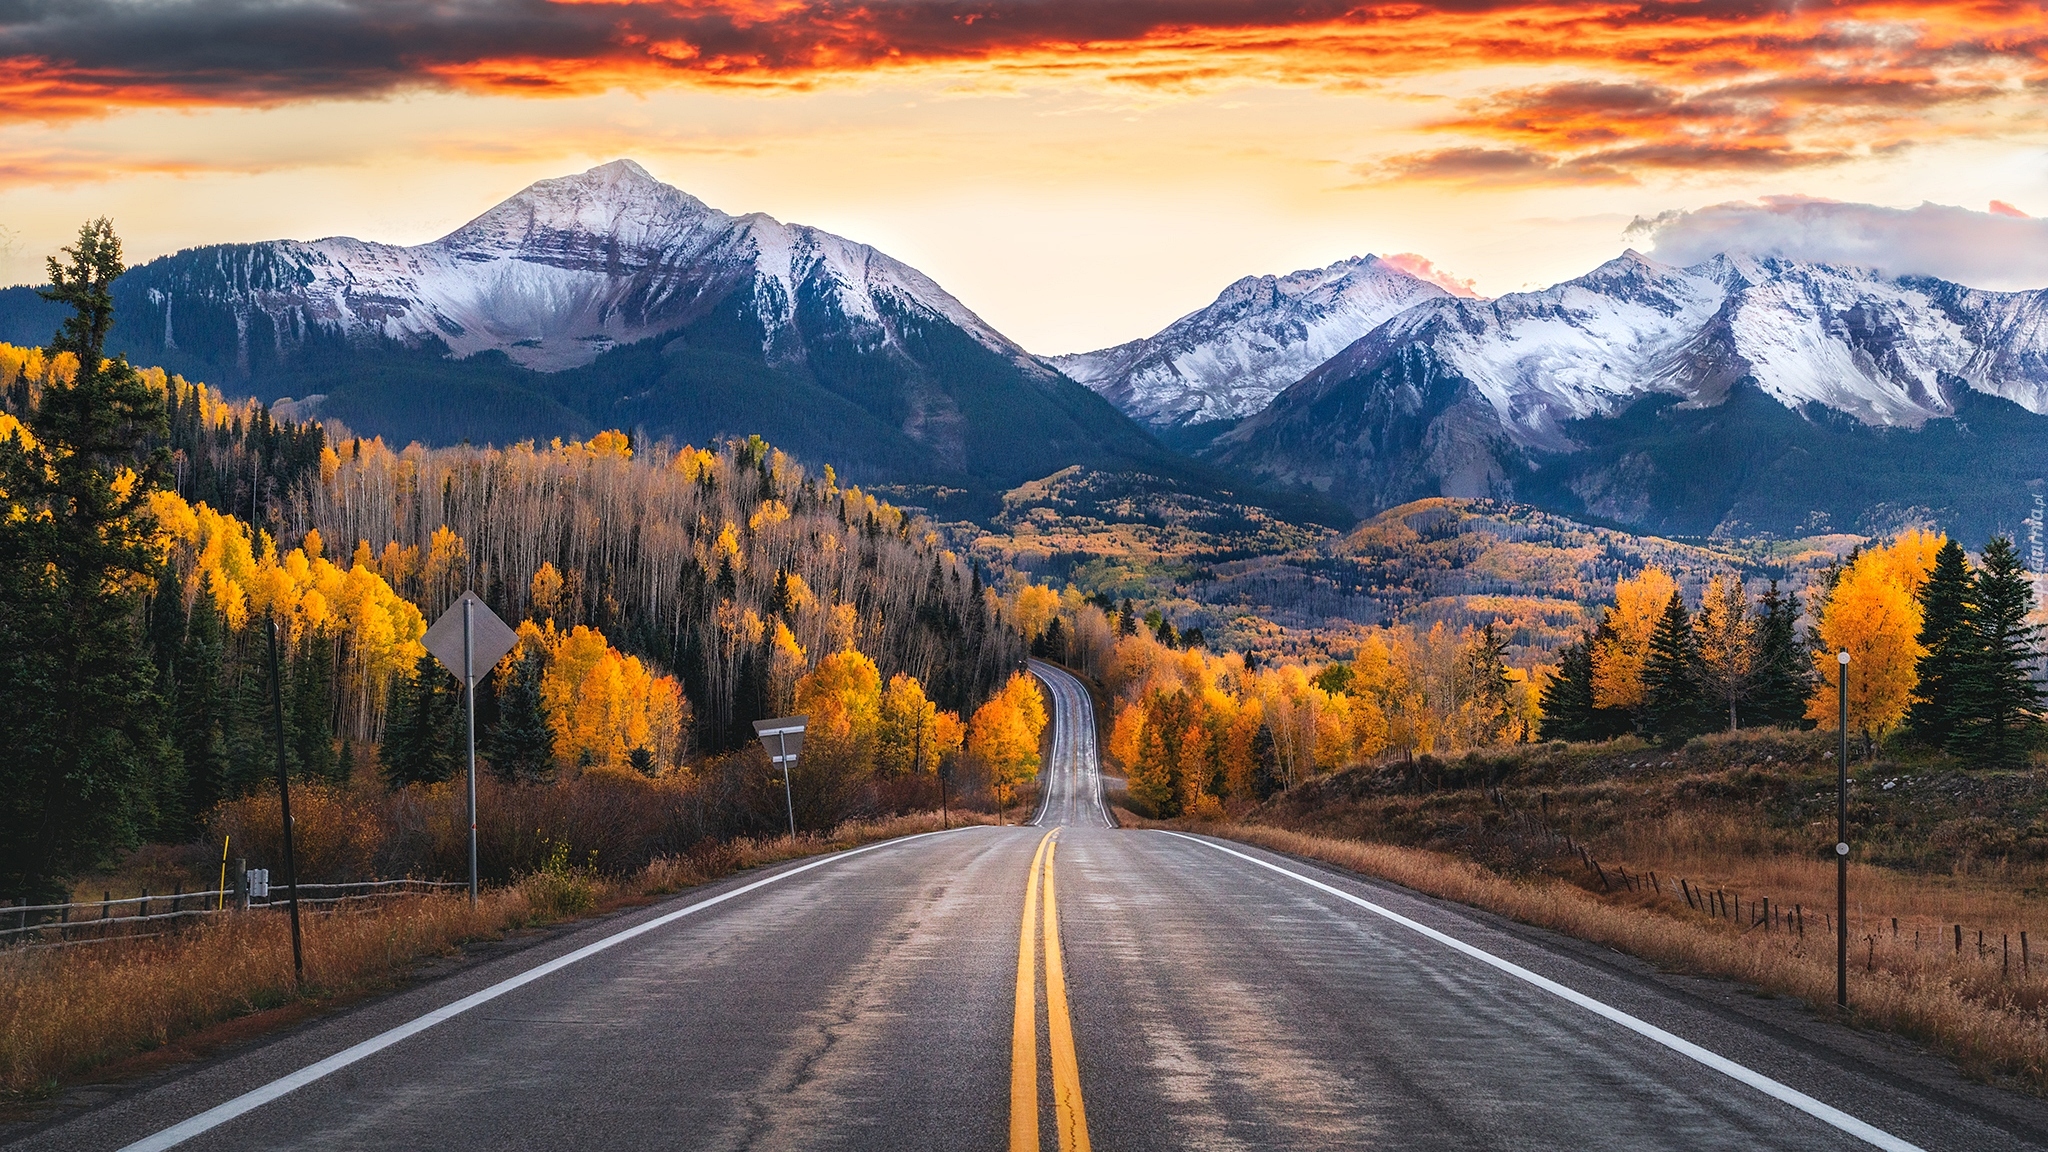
{"type": "Point", "coordinates": [782, 738]}
{"type": "Point", "coordinates": [490, 638]}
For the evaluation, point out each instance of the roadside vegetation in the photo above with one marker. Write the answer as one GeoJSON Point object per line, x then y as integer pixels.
{"type": "Point", "coordinates": [1667, 788]}
{"type": "Point", "coordinates": [155, 536]}
{"type": "Point", "coordinates": [73, 1013]}
{"type": "Point", "coordinates": [1714, 859]}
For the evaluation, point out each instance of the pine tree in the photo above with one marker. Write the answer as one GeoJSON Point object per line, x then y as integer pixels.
{"type": "Point", "coordinates": [1483, 684]}
{"type": "Point", "coordinates": [1947, 636]}
{"type": "Point", "coordinates": [421, 730]}
{"type": "Point", "coordinates": [1671, 677]}
{"type": "Point", "coordinates": [1568, 698]}
{"type": "Point", "coordinates": [198, 727]}
{"type": "Point", "coordinates": [309, 710]}
{"type": "Point", "coordinates": [1784, 673]}
{"type": "Point", "coordinates": [1998, 701]}
{"type": "Point", "coordinates": [79, 711]}
{"type": "Point", "coordinates": [1265, 763]}
{"type": "Point", "coordinates": [521, 745]}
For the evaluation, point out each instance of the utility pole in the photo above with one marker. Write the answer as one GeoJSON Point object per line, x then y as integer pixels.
{"type": "Point", "coordinates": [1842, 835]}
{"type": "Point", "coordinates": [284, 801]}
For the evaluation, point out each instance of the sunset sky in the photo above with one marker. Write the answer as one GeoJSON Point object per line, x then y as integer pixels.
{"type": "Point", "coordinates": [1079, 172]}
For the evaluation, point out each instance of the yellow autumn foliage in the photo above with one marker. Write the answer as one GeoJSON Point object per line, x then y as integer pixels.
{"type": "Point", "coordinates": [603, 704]}
{"type": "Point", "coordinates": [1874, 615]}
{"type": "Point", "coordinates": [1618, 661]}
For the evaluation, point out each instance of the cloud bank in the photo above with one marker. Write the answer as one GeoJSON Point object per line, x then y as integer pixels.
{"type": "Point", "coordinates": [1667, 84]}
{"type": "Point", "coordinates": [2001, 249]}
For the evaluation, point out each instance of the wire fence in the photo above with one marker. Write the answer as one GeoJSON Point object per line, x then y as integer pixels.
{"type": "Point", "coordinates": [94, 921]}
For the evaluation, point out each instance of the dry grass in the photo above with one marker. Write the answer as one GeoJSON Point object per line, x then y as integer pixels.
{"type": "Point", "coordinates": [66, 1012]}
{"type": "Point", "coordinates": [1991, 1020]}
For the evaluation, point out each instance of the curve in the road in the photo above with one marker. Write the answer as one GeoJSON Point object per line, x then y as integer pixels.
{"type": "Point", "coordinates": [1070, 787]}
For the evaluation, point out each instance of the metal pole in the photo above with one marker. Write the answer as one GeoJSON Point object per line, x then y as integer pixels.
{"type": "Point", "coordinates": [469, 680]}
{"type": "Point", "coordinates": [1842, 836]}
{"type": "Point", "coordinates": [782, 754]}
{"type": "Point", "coordinates": [284, 798]}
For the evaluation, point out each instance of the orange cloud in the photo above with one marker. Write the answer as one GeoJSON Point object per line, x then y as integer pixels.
{"type": "Point", "coordinates": [1669, 84]}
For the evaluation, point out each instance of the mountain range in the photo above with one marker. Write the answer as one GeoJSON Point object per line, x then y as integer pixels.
{"type": "Point", "coordinates": [1736, 396]}
{"type": "Point", "coordinates": [610, 299]}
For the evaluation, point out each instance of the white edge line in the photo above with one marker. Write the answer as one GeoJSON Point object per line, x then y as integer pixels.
{"type": "Point", "coordinates": [255, 1098]}
{"type": "Point", "coordinates": [1828, 1114]}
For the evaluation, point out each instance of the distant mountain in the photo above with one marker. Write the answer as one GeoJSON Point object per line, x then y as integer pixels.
{"type": "Point", "coordinates": [1263, 333]}
{"type": "Point", "coordinates": [611, 299]}
{"type": "Point", "coordinates": [1736, 395]}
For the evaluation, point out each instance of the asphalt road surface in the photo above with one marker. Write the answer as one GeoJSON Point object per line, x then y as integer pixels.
{"type": "Point", "coordinates": [1062, 985]}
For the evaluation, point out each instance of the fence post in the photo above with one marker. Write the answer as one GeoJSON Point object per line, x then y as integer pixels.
{"type": "Point", "coordinates": [242, 883]}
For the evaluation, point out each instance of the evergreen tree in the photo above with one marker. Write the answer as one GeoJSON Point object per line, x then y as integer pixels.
{"type": "Point", "coordinates": [1483, 676]}
{"type": "Point", "coordinates": [79, 711]}
{"type": "Point", "coordinates": [1672, 707]}
{"type": "Point", "coordinates": [1568, 698]}
{"type": "Point", "coordinates": [309, 710]}
{"type": "Point", "coordinates": [1265, 763]}
{"type": "Point", "coordinates": [1947, 636]}
{"type": "Point", "coordinates": [1998, 701]}
{"type": "Point", "coordinates": [198, 727]}
{"type": "Point", "coordinates": [1784, 675]}
{"type": "Point", "coordinates": [521, 745]}
{"type": "Point", "coordinates": [421, 728]}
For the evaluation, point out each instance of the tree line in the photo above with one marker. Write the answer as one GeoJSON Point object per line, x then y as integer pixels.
{"type": "Point", "coordinates": [1941, 651]}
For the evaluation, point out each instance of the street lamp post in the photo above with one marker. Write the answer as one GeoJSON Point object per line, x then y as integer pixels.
{"type": "Point", "coordinates": [1842, 834]}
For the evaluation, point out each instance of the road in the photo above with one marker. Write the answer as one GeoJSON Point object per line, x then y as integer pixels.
{"type": "Point", "coordinates": [1062, 985]}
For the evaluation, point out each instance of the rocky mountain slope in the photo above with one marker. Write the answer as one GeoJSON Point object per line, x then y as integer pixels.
{"type": "Point", "coordinates": [1736, 395]}
{"type": "Point", "coordinates": [1263, 333]}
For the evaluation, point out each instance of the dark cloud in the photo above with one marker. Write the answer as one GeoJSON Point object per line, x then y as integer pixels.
{"type": "Point", "coordinates": [70, 57]}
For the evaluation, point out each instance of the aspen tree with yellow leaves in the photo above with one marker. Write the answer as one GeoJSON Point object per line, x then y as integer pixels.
{"type": "Point", "coordinates": [1873, 613]}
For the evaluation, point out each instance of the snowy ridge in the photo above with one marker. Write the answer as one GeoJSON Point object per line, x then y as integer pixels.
{"type": "Point", "coordinates": [1263, 333]}
{"type": "Point", "coordinates": [1888, 352]}
{"type": "Point", "coordinates": [570, 267]}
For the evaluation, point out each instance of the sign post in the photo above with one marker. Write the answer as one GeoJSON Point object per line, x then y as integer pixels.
{"type": "Point", "coordinates": [284, 803]}
{"type": "Point", "coordinates": [787, 732]}
{"type": "Point", "coordinates": [1842, 838]}
{"type": "Point", "coordinates": [469, 640]}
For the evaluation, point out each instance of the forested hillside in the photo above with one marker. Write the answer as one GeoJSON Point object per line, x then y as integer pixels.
{"type": "Point", "coordinates": [152, 533]}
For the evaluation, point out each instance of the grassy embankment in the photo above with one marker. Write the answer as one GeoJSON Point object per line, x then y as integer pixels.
{"type": "Point", "coordinates": [73, 1013]}
{"type": "Point", "coordinates": [1675, 856]}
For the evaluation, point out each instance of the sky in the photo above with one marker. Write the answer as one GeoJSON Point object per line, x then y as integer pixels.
{"type": "Point", "coordinates": [1079, 172]}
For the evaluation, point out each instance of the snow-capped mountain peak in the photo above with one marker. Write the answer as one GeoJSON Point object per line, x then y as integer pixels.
{"type": "Point", "coordinates": [569, 267]}
{"type": "Point", "coordinates": [1261, 334]}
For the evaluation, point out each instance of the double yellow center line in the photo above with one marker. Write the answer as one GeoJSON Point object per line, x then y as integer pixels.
{"type": "Point", "coordinates": [1071, 1117]}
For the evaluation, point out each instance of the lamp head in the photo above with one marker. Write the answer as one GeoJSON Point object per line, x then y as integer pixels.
{"type": "Point", "coordinates": [1842, 657]}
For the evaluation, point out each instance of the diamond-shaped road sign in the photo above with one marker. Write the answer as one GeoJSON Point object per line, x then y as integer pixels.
{"type": "Point", "coordinates": [487, 638]}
